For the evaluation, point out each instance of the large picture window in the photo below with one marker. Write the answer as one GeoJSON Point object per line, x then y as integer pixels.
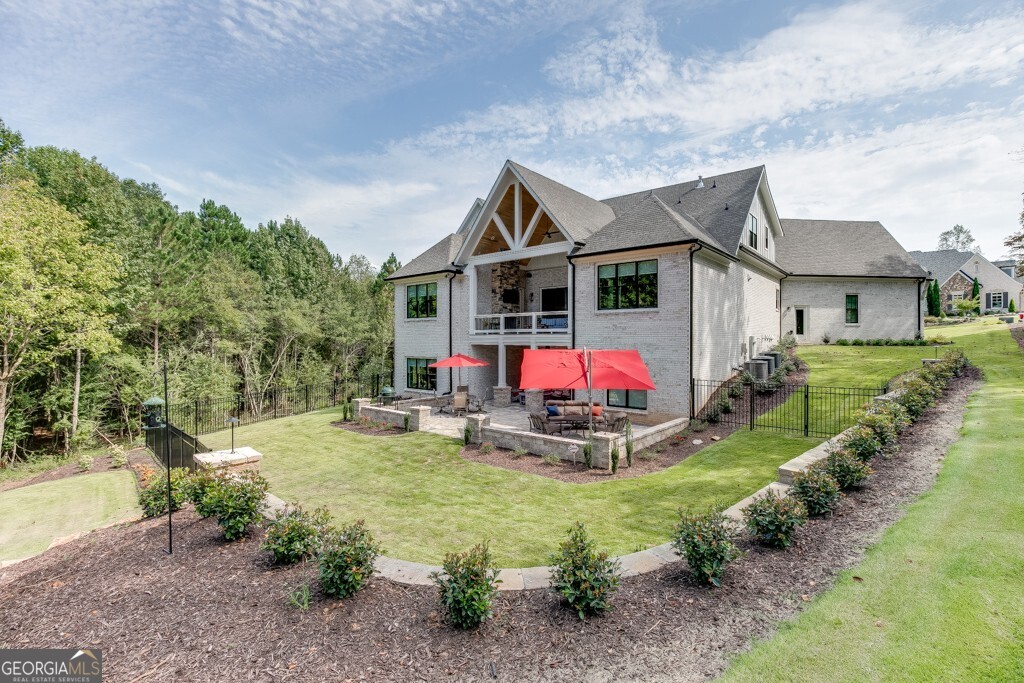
{"type": "Point", "coordinates": [421, 300]}
{"type": "Point", "coordinates": [627, 285]}
{"type": "Point", "coordinates": [752, 231]}
{"type": "Point", "coordinates": [627, 398]}
{"type": "Point", "coordinates": [418, 375]}
{"type": "Point", "coordinates": [852, 309]}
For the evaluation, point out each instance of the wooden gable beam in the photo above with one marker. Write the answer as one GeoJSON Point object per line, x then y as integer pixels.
{"type": "Point", "coordinates": [503, 230]}
{"type": "Point", "coordinates": [531, 227]}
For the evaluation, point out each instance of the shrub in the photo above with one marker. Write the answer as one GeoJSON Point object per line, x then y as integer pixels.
{"type": "Point", "coordinates": [405, 421]}
{"type": "Point", "coordinates": [467, 434]}
{"type": "Point", "coordinates": [295, 534]}
{"type": "Point", "coordinates": [615, 459]}
{"type": "Point", "coordinates": [588, 454]}
{"type": "Point", "coordinates": [846, 468]}
{"type": "Point", "coordinates": [118, 457]}
{"type": "Point", "coordinates": [884, 427]}
{"type": "Point", "coordinates": [153, 496]}
{"type": "Point", "coordinates": [786, 343]}
{"type": "Point", "coordinates": [466, 585]}
{"type": "Point", "coordinates": [735, 390]}
{"type": "Point", "coordinates": [772, 519]}
{"type": "Point", "coordinates": [518, 453]}
{"type": "Point", "coordinates": [842, 342]}
{"type": "Point", "coordinates": [584, 577]}
{"type": "Point", "coordinates": [84, 463]}
{"type": "Point", "coordinates": [697, 426]}
{"type": "Point", "coordinates": [817, 490]}
{"type": "Point", "coordinates": [486, 448]}
{"type": "Point", "coordinates": [629, 443]}
{"type": "Point", "coordinates": [236, 502]}
{"type": "Point", "coordinates": [862, 442]}
{"type": "Point", "coordinates": [196, 486]}
{"type": "Point", "coordinates": [826, 338]}
{"type": "Point", "coordinates": [300, 597]}
{"type": "Point", "coordinates": [1012, 308]}
{"type": "Point", "coordinates": [858, 342]}
{"type": "Point", "coordinates": [703, 539]}
{"type": "Point", "coordinates": [551, 460]}
{"type": "Point", "coordinates": [346, 560]}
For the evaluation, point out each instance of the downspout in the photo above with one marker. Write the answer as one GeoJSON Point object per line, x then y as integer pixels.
{"type": "Point", "coordinates": [451, 312]}
{"type": "Point", "coordinates": [572, 303]}
{"type": "Point", "coordinates": [693, 250]}
{"type": "Point", "coordinates": [920, 332]}
{"type": "Point", "coordinates": [780, 306]}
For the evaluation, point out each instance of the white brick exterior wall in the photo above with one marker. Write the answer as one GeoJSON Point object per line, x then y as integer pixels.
{"type": "Point", "coordinates": [421, 337]}
{"type": "Point", "coordinates": [993, 279]}
{"type": "Point", "coordinates": [661, 336]}
{"type": "Point", "coordinates": [888, 308]}
{"type": "Point", "coordinates": [733, 301]}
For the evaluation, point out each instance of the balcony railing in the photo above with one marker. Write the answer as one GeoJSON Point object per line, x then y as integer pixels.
{"type": "Point", "coordinates": [547, 322]}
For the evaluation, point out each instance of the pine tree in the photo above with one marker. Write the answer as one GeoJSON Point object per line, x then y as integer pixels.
{"type": "Point", "coordinates": [976, 294]}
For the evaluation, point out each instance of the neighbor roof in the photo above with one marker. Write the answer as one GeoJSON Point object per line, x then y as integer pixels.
{"type": "Point", "coordinates": [842, 248]}
{"type": "Point", "coordinates": [715, 214]}
{"type": "Point", "coordinates": [581, 216]}
{"type": "Point", "coordinates": [943, 263]}
{"type": "Point", "coordinates": [437, 259]}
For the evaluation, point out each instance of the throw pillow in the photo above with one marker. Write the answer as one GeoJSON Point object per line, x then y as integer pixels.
{"type": "Point", "coordinates": [552, 411]}
{"type": "Point", "coordinates": [598, 410]}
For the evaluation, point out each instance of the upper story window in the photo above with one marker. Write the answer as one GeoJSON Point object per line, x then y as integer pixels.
{"type": "Point", "coordinates": [752, 231]}
{"type": "Point", "coordinates": [627, 285]}
{"type": "Point", "coordinates": [852, 309]}
{"type": "Point", "coordinates": [766, 238]}
{"type": "Point", "coordinates": [421, 300]}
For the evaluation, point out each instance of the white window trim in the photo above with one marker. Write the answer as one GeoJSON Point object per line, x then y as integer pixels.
{"type": "Point", "coordinates": [1002, 304]}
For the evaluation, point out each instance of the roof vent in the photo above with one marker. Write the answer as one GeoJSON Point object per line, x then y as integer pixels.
{"type": "Point", "coordinates": [700, 181]}
{"type": "Point", "coordinates": [714, 184]}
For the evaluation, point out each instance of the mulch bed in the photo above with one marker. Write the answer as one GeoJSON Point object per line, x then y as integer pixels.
{"type": "Point", "coordinates": [137, 457]}
{"type": "Point", "coordinates": [216, 611]}
{"type": "Point", "coordinates": [375, 429]}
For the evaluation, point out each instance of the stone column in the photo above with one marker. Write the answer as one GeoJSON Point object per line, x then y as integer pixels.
{"type": "Point", "coordinates": [360, 403]}
{"type": "Point", "coordinates": [534, 401]}
{"type": "Point", "coordinates": [418, 416]}
{"type": "Point", "coordinates": [502, 396]}
{"type": "Point", "coordinates": [477, 423]}
{"type": "Point", "coordinates": [602, 453]}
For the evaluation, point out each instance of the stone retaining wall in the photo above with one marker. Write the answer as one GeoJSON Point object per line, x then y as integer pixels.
{"type": "Point", "coordinates": [395, 418]}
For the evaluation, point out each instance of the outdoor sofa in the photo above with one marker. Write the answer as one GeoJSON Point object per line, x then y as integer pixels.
{"type": "Point", "coordinates": [559, 415]}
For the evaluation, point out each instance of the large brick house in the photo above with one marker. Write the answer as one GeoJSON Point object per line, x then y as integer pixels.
{"type": "Point", "coordinates": [956, 271]}
{"type": "Point", "coordinates": [698, 276]}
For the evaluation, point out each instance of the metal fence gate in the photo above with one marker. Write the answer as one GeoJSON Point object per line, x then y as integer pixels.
{"type": "Point", "coordinates": [799, 408]}
{"type": "Point", "coordinates": [182, 445]}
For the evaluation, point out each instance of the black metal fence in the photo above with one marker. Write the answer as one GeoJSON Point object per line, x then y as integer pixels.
{"type": "Point", "coordinates": [204, 416]}
{"type": "Point", "coordinates": [801, 408]}
{"type": "Point", "coordinates": [182, 446]}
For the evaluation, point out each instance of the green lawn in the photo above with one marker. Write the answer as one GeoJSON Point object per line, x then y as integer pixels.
{"type": "Point", "coordinates": [32, 516]}
{"type": "Point", "coordinates": [942, 595]}
{"type": "Point", "coordinates": [422, 500]}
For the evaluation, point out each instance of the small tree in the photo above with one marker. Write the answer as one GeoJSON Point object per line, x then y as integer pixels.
{"type": "Point", "coordinates": [976, 295]}
{"type": "Point", "coordinates": [966, 306]}
{"type": "Point", "coordinates": [1012, 307]}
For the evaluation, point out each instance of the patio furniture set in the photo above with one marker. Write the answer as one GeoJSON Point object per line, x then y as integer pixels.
{"type": "Point", "coordinates": [576, 415]}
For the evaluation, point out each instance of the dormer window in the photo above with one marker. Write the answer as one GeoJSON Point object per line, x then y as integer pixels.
{"type": "Point", "coordinates": [752, 231]}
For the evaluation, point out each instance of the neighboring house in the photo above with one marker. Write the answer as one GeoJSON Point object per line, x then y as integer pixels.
{"type": "Point", "coordinates": [956, 271]}
{"type": "Point", "coordinates": [697, 276]}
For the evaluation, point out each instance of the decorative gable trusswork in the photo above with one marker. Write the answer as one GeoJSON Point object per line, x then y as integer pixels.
{"type": "Point", "coordinates": [517, 223]}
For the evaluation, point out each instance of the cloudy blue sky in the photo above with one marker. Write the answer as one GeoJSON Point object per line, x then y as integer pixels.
{"type": "Point", "coordinates": [377, 122]}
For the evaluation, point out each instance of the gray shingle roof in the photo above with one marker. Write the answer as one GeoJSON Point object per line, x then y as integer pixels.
{"type": "Point", "coordinates": [646, 223]}
{"type": "Point", "coordinates": [437, 259]}
{"type": "Point", "coordinates": [1005, 263]}
{"type": "Point", "coordinates": [842, 248]}
{"type": "Point", "coordinates": [580, 215]}
{"type": "Point", "coordinates": [719, 208]}
{"type": "Point", "coordinates": [943, 263]}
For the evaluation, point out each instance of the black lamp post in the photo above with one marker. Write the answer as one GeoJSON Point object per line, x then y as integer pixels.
{"type": "Point", "coordinates": [232, 421]}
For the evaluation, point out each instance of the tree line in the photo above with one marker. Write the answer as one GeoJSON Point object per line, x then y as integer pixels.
{"type": "Point", "coordinates": [102, 280]}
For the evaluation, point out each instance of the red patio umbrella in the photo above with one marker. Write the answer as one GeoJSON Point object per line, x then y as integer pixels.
{"type": "Point", "coordinates": [459, 361]}
{"type": "Point", "coordinates": [568, 369]}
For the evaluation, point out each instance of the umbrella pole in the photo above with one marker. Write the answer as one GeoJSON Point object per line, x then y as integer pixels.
{"type": "Point", "coordinates": [590, 394]}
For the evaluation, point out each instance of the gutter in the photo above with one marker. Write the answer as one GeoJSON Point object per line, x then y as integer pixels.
{"type": "Point", "coordinates": [660, 245]}
{"type": "Point", "coordinates": [451, 313]}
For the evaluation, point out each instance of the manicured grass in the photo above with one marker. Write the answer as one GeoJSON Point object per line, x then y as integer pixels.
{"type": "Point", "coordinates": [422, 500]}
{"type": "Point", "coordinates": [860, 366]}
{"type": "Point", "coordinates": [32, 516]}
{"type": "Point", "coordinates": [942, 594]}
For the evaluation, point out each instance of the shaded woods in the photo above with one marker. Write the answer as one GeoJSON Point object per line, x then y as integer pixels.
{"type": "Point", "coordinates": [102, 280]}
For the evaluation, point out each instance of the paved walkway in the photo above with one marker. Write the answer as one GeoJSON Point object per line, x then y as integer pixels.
{"type": "Point", "coordinates": [445, 424]}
